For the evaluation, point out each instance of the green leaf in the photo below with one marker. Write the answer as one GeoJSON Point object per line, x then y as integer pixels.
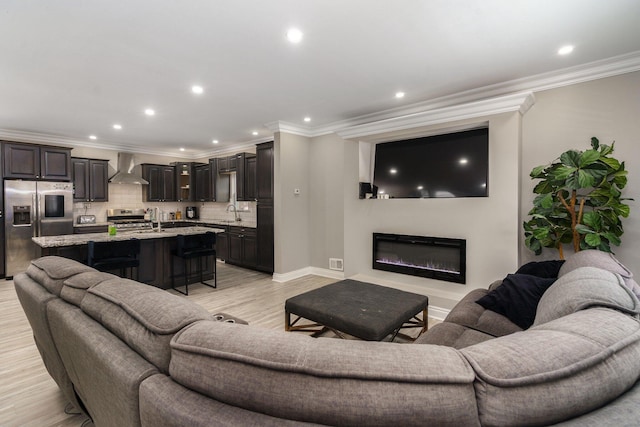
{"type": "Point", "coordinates": [562, 173]}
{"type": "Point", "coordinates": [583, 229]}
{"type": "Point", "coordinates": [588, 157]}
{"type": "Point", "coordinates": [611, 162]}
{"type": "Point", "coordinates": [543, 187]}
{"type": "Point", "coordinates": [570, 158]}
{"type": "Point", "coordinates": [537, 171]}
{"type": "Point", "coordinates": [547, 201]}
{"type": "Point", "coordinates": [594, 142]}
{"type": "Point", "coordinates": [612, 238]}
{"type": "Point", "coordinates": [605, 150]}
{"type": "Point", "coordinates": [585, 179]}
{"type": "Point", "coordinates": [592, 239]}
{"type": "Point", "coordinates": [593, 220]}
{"type": "Point", "coordinates": [541, 233]}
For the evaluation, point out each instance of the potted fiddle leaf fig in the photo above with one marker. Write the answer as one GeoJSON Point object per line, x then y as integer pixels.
{"type": "Point", "coordinates": [579, 201]}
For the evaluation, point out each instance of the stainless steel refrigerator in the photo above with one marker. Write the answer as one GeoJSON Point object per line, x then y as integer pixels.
{"type": "Point", "coordinates": [33, 209]}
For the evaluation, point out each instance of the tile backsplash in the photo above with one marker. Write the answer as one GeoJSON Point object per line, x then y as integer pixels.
{"type": "Point", "coordinates": [130, 196]}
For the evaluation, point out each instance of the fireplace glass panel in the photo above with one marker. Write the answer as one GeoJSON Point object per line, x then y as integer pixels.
{"type": "Point", "coordinates": [432, 257]}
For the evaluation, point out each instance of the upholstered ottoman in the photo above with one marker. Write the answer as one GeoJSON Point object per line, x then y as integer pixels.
{"type": "Point", "coordinates": [363, 310]}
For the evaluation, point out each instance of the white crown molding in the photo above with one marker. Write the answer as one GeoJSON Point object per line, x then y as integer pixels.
{"type": "Point", "coordinates": [610, 67]}
{"type": "Point", "coordinates": [62, 141]}
{"type": "Point", "coordinates": [518, 102]}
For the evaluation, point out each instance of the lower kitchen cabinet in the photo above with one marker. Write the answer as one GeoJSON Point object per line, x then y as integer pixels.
{"type": "Point", "coordinates": [239, 246]}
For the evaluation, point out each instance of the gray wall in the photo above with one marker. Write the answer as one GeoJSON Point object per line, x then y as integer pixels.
{"type": "Point", "coordinates": [292, 156]}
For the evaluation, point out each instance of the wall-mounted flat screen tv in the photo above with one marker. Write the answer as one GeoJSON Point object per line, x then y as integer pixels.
{"type": "Point", "coordinates": [451, 165]}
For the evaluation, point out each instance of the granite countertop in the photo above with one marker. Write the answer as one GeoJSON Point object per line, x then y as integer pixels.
{"type": "Point", "coordinates": [82, 239]}
{"type": "Point", "coordinates": [244, 223]}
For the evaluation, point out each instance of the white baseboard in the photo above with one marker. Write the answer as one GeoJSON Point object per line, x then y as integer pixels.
{"type": "Point", "coordinates": [438, 313]}
{"type": "Point", "coordinates": [296, 274]}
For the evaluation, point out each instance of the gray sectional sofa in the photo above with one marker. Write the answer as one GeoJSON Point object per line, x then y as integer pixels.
{"type": "Point", "coordinates": [129, 354]}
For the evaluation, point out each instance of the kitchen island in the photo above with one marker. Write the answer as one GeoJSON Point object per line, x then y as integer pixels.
{"type": "Point", "coordinates": [157, 264]}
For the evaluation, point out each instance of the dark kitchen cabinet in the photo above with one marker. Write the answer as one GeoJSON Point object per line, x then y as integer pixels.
{"type": "Point", "coordinates": [161, 186]}
{"type": "Point", "coordinates": [185, 182]}
{"type": "Point", "coordinates": [219, 182]}
{"type": "Point", "coordinates": [250, 178]}
{"type": "Point", "coordinates": [90, 179]}
{"type": "Point", "coordinates": [27, 161]}
{"type": "Point", "coordinates": [151, 258]}
{"type": "Point", "coordinates": [222, 244]}
{"type": "Point", "coordinates": [264, 207]}
{"type": "Point", "coordinates": [203, 191]}
{"type": "Point", "coordinates": [245, 177]}
{"type": "Point", "coordinates": [243, 249]}
{"type": "Point", "coordinates": [227, 164]}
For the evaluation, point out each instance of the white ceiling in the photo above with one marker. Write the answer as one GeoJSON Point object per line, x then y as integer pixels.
{"type": "Point", "coordinates": [72, 68]}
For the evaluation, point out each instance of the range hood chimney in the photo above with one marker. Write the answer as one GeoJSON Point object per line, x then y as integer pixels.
{"type": "Point", "coordinates": [125, 174]}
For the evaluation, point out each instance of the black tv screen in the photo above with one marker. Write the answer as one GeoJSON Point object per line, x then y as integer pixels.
{"type": "Point", "coordinates": [451, 165]}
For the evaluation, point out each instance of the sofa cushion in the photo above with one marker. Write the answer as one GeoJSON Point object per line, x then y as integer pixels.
{"type": "Point", "coordinates": [144, 317]}
{"type": "Point", "coordinates": [472, 315]}
{"type": "Point", "coordinates": [517, 298]}
{"type": "Point", "coordinates": [558, 370]}
{"type": "Point", "coordinates": [52, 271]}
{"type": "Point", "coordinates": [452, 335]}
{"type": "Point", "coordinates": [75, 287]}
{"type": "Point", "coordinates": [604, 260]}
{"type": "Point", "coordinates": [548, 269]}
{"type": "Point", "coordinates": [325, 380]}
{"type": "Point", "coordinates": [583, 288]}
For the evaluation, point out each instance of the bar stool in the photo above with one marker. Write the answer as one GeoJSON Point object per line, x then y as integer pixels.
{"type": "Point", "coordinates": [114, 255]}
{"type": "Point", "coordinates": [195, 246]}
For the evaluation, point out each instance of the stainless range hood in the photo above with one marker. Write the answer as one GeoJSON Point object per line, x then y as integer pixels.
{"type": "Point", "coordinates": [125, 174]}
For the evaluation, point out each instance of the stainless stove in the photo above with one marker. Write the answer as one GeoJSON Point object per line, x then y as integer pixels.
{"type": "Point", "coordinates": [129, 219]}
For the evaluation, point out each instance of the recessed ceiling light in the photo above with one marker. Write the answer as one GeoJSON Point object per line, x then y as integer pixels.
{"type": "Point", "coordinates": [463, 161]}
{"type": "Point", "coordinates": [399, 95]}
{"type": "Point", "coordinates": [420, 187]}
{"type": "Point", "coordinates": [93, 137]}
{"type": "Point", "coordinates": [307, 119]}
{"type": "Point", "coordinates": [197, 89]}
{"type": "Point", "coordinates": [215, 141]}
{"type": "Point", "coordinates": [393, 171]}
{"type": "Point", "coordinates": [294, 35]}
{"type": "Point", "coordinates": [565, 50]}
{"type": "Point", "coordinates": [181, 149]}
{"type": "Point", "coordinates": [117, 126]}
{"type": "Point", "coordinates": [254, 133]}
{"type": "Point", "coordinates": [150, 112]}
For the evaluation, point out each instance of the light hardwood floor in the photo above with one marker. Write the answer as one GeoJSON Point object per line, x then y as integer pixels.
{"type": "Point", "coordinates": [28, 395]}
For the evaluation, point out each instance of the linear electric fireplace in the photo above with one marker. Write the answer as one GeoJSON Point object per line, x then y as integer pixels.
{"type": "Point", "coordinates": [432, 257]}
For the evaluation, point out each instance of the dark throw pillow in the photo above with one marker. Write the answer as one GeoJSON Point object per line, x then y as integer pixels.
{"type": "Point", "coordinates": [517, 298]}
{"type": "Point", "coordinates": [548, 269]}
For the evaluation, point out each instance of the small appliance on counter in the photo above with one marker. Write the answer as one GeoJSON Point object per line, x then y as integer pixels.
{"type": "Point", "coordinates": [86, 219]}
{"type": "Point", "coordinates": [192, 212]}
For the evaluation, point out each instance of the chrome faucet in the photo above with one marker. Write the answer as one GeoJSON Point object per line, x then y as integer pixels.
{"type": "Point", "coordinates": [158, 218]}
{"type": "Point", "coordinates": [235, 211]}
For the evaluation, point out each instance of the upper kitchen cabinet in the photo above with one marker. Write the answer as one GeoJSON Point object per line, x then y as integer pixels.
{"type": "Point", "coordinates": [27, 161]}
{"type": "Point", "coordinates": [203, 191]}
{"type": "Point", "coordinates": [245, 176]}
{"type": "Point", "coordinates": [185, 181]}
{"type": "Point", "coordinates": [219, 182]}
{"type": "Point", "coordinates": [264, 172]}
{"type": "Point", "coordinates": [90, 180]}
{"type": "Point", "coordinates": [162, 183]}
